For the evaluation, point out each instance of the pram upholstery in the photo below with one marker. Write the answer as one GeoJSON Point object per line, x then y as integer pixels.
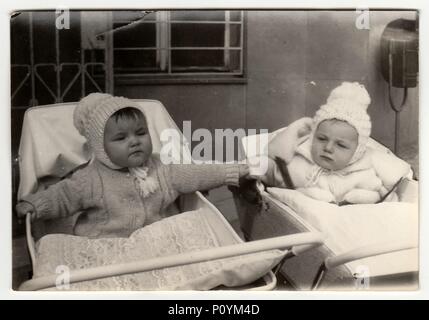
{"type": "Point", "coordinates": [346, 228]}
{"type": "Point", "coordinates": [51, 149]}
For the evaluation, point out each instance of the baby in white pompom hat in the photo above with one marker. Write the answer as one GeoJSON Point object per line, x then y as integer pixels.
{"type": "Point", "coordinates": [327, 156]}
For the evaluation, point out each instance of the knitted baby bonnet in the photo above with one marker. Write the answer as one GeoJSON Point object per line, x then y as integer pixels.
{"type": "Point", "coordinates": [90, 117]}
{"type": "Point", "coordinates": [348, 102]}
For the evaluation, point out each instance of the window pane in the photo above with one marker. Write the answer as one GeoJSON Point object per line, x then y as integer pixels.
{"type": "Point", "coordinates": [235, 15]}
{"type": "Point", "coordinates": [190, 29]}
{"type": "Point", "coordinates": [137, 35]}
{"type": "Point", "coordinates": [235, 36]}
{"type": "Point", "coordinates": [135, 61]}
{"type": "Point", "coordinates": [234, 60]}
{"type": "Point", "coordinates": [198, 15]}
{"type": "Point", "coordinates": [196, 60]}
{"type": "Point", "coordinates": [197, 35]}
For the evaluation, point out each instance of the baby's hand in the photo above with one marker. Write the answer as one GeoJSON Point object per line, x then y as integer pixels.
{"type": "Point", "coordinates": [257, 166]}
{"type": "Point", "coordinates": [243, 170]}
{"type": "Point", "coordinates": [22, 208]}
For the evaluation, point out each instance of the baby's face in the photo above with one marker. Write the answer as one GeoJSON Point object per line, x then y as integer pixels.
{"type": "Point", "coordinates": [334, 144]}
{"type": "Point", "coordinates": [127, 141]}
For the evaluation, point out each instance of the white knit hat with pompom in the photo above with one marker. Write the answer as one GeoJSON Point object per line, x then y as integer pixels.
{"type": "Point", "coordinates": [348, 102]}
{"type": "Point", "coordinates": [90, 117]}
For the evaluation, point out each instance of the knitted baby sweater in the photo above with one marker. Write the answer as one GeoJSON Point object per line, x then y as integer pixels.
{"type": "Point", "coordinates": [109, 201]}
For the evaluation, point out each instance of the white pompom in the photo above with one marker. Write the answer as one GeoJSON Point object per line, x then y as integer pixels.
{"type": "Point", "coordinates": [353, 92]}
{"type": "Point", "coordinates": [83, 109]}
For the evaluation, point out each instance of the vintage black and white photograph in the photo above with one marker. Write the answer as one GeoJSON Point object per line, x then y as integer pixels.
{"type": "Point", "coordinates": [177, 150]}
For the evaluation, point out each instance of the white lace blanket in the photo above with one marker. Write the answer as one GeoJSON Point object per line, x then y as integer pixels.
{"type": "Point", "coordinates": [185, 232]}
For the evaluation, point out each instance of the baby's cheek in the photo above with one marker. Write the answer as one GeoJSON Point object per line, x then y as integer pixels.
{"type": "Point", "coordinates": [314, 150]}
{"type": "Point", "coordinates": [345, 157]}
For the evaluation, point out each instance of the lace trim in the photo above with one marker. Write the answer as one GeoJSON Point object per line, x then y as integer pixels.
{"type": "Point", "coordinates": [185, 232]}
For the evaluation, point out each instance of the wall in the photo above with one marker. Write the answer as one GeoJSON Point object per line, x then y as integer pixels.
{"type": "Point", "coordinates": [293, 61]}
{"type": "Point", "coordinates": [207, 106]}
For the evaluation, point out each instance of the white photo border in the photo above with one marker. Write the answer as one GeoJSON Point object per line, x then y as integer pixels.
{"type": "Point", "coordinates": [5, 159]}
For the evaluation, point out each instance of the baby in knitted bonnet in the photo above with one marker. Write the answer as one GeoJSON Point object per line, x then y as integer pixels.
{"type": "Point", "coordinates": [125, 186]}
{"type": "Point", "coordinates": [327, 156]}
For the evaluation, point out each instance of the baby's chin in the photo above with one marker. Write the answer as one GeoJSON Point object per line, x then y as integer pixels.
{"type": "Point", "coordinates": [327, 165]}
{"type": "Point", "coordinates": [137, 162]}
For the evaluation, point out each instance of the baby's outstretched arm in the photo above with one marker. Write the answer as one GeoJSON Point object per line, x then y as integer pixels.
{"type": "Point", "coordinates": [187, 178]}
{"type": "Point", "coordinates": [59, 200]}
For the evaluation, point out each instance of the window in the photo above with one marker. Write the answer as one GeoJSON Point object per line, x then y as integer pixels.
{"type": "Point", "coordinates": [178, 44]}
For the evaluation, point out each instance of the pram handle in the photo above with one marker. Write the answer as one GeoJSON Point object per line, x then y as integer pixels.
{"type": "Point", "coordinates": [368, 251]}
{"type": "Point", "coordinates": [30, 240]}
{"type": "Point", "coordinates": [284, 242]}
{"type": "Point", "coordinates": [360, 253]}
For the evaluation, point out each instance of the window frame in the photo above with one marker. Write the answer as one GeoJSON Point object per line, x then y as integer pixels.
{"type": "Point", "coordinates": [169, 77]}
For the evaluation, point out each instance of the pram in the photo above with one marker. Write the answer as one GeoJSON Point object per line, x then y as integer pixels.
{"type": "Point", "coordinates": [360, 250]}
{"type": "Point", "coordinates": [51, 149]}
